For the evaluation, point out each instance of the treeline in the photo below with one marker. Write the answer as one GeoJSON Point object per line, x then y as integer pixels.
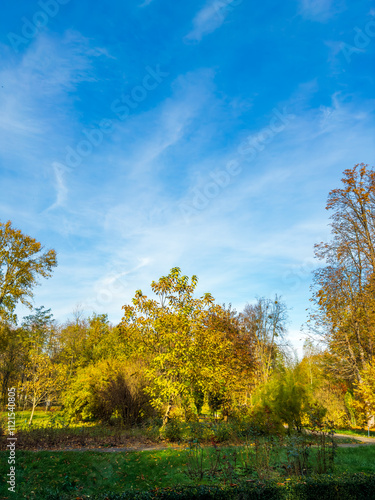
{"type": "Point", "coordinates": [168, 357]}
{"type": "Point", "coordinates": [178, 356]}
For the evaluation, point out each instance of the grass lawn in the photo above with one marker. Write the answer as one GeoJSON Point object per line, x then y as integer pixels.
{"type": "Point", "coordinates": [41, 417]}
{"type": "Point", "coordinates": [361, 459]}
{"type": "Point", "coordinates": [79, 474]}
{"type": "Point", "coordinates": [22, 417]}
{"type": "Point", "coordinates": [92, 472]}
{"type": "Point", "coordinates": [50, 431]}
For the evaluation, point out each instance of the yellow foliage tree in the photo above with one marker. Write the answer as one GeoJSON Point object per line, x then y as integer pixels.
{"type": "Point", "coordinates": [190, 343]}
{"type": "Point", "coordinates": [44, 379]}
{"type": "Point", "coordinates": [21, 263]}
{"type": "Point", "coordinates": [344, 288]}
{"type": "Point", "coordinates": [365, 392]}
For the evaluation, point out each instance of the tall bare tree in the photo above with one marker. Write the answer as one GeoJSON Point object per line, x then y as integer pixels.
{"type": "Point", "coordinates": [265, 324]}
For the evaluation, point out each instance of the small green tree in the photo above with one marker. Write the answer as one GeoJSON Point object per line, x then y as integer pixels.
{"type": "Point", "coordinates": [287, 398]}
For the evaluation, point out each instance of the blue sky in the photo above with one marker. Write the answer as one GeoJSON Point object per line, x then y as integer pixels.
{"type": "Point", "coordinates": [136, 137]}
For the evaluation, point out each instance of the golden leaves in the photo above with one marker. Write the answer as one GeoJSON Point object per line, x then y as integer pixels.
{"type": "Point", "coordinates": [191, 342]}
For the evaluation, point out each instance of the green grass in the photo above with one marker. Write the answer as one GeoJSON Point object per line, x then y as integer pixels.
{"type": "Point", "coordinates": [41, 418]}
{"type": "Point", "coordinates": [86, 473]}
{"type": "Point", "coordinates": [361, 459]}
{"type": "Point", "coordinates": [90, 472]}
{"type": "Point", "coordinates": [357, 432]}
{"type": "Point", "coordinates": [22, 417]}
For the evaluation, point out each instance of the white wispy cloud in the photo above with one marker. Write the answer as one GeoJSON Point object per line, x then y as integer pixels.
{"type": "Point", "coordinates": [37, 114]}
{"type": "Point", "coordinates": [319, 10]}
{"type": "Point", "coordinates": [42, 80]}
{"type": "Point", "coordinates": [61, 188]}
{"type": "Point", "coordinates": [145, 3]}
{"type": "Point", "coordinates": [209, 19]}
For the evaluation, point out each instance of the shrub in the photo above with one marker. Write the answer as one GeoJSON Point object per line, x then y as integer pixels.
{"type": "Point", "coordinates": [265, 421]}
{"type": "Point", "coordinates": [325, 487]}
{"type": "Point", "coordinates": [108, 389]}
{"type": "Point", "coordinates": [173, 431]}
{"type": "Point", "coordinates": [334, 401]}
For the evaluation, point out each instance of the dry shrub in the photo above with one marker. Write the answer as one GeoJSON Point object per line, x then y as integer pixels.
{"type": "Point", "coordinates": [124, 397]}
{"type": "Point", "coordinates": [109, 391]}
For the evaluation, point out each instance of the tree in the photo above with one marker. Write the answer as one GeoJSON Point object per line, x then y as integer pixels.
{"type": "Point", "coordinates": [22, 261]}
{"type": "Point", "coordinates": [324, 388]}
{"type": "Point", "coordinates": [84, 341]}
{"type": "Point", "coordinates": [44, 380]}
{"type": "Point", "coordinates": [190, 344]}
{"type": "Point", "coordinates": [365, 392]}
{"type": "Point", "coordinates": [344, 290]}
{"type": "Point", "coordinates": [287, 397]}
{"type": "Point", "coordinates": [40, 327]}
{"type": "Point", "coordinates": [265, 324]}
{"type": "Point", "coordinates": [13, 357]}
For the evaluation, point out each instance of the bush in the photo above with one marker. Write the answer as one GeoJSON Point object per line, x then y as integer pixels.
{"type": "Point", "coordinates": [108, 389]}
{"type": "Point", "coordinates": [345, 487]}
{"type": "Point", "coordinates": [262, 424]}
{"type": "Point", "coordinates": [173, 431]}
{"type": "Point", "coordinates": [324, 487]}
{"type": "Point", "coordinates": [265, 421]}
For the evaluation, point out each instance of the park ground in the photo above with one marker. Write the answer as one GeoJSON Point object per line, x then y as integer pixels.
{"type": "Point", "coordinates": [101, 460]}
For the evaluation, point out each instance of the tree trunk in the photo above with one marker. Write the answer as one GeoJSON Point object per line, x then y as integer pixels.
{"type": "Point", "coordinates": [32, 410]}
{"type": "Point", "coordinates": [353, 359]}
{"type": "Point", "coordinates": [166, 414]}
{"type": "Point", "coordinates": [361, 351]}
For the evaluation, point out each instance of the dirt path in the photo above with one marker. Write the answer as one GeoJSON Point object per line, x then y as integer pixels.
{"type": "Point", "coordinates": [114, 449]}
{"type": "Point", "coordinates": [364, 440]}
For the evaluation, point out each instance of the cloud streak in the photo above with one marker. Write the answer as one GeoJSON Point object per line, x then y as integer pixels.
{"type": "Point", "coordinates": [318, 10]}
{"type": "Point", "coordinates": [210, 18]}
